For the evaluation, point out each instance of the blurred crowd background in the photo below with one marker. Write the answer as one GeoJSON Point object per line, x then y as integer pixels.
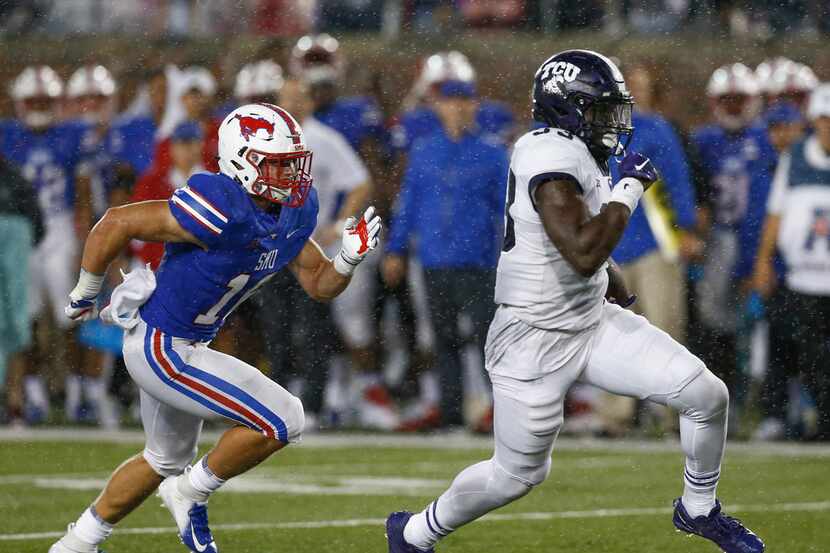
{"type": "Point", "coordinates": [412, 106]}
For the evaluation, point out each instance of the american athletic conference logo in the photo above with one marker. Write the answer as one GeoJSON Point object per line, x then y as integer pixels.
{"type": "Point", "coordinates": [250, 125]}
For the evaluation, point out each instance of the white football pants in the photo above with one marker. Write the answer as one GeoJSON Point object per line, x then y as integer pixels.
{"type": "Point", "coordinates": [624, 355]}
{"type": "Point", "coordinates": [184, 382]}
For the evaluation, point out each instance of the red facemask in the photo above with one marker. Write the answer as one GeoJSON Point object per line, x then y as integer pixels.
{"type": "Point", "coordinates": [282, 178]}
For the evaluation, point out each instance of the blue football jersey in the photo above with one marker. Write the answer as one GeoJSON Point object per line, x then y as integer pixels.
{"type": "Point", "coordinates": [492, 118]}
{"type": "Point", "coordinates": [98, 164]}
{"type": "Point", "coordinates": [356, 118]}
{"type": "Point", "coordinates": [198, 288]}
{"type": "Point", "coordinates": [132, 141]}
{"type": "Point", "coordinates": [48, 159]}
{"type": "Point", "coordinates": [738, 169]}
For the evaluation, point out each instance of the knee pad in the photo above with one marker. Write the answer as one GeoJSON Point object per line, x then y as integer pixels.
{"type": "Point", "coordinates": [294, 419]}
{"type": "Point", "coordinates": [169, 463]}
{"type": "Point", "coordinates": [510, 486]}
{"type": "Point", "coordinates": [704, 397]}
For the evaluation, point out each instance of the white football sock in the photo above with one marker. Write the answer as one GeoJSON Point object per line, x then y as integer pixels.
{"type": "Point", "coordinates": [91, 528]}
{"type": "Point", "coordinates": [35, 391]}
{"type": "Point", "coordinates": [94, 389]}
{"type": "Point", "coordinates": [476, 490]}
{"type": "Point", "coordinates": [73, 396]}
{"type": "Point", "coordinates": [703, 406]}
{"type": "Point", "coordinates": [199, 482]}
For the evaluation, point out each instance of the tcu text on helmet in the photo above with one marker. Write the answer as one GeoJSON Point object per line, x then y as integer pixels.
{"type": "Point", "coordinates": [558, 72]}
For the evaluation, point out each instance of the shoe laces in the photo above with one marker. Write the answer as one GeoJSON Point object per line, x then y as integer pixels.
{"type": "Point", "coordinates": [728, 525]}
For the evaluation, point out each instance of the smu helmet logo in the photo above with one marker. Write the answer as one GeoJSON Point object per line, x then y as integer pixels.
{"type": "Point", "coordinates": [250, 125]}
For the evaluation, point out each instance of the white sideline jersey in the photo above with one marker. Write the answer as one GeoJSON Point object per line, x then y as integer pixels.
{"type": "Point", "coordinates": [336, 168]}
{"type": "Point", "coordinates": [533, 279]}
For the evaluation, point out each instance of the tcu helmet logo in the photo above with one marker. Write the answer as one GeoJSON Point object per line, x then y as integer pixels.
{"type": "Point", "coordinates": [250, 125]}
{"type": "Point", "coordinates": [558, 72]}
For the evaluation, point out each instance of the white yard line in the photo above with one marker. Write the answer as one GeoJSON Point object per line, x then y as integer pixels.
{"type": "Point", "coordinates": [435, 441]}
{"type": "Point", "coordinates": [553, 515]}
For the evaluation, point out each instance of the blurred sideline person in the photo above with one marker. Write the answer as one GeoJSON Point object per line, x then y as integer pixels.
{"type": "Point", "coordinates": [186, 145]}
{"type": "Point", "coordinates": [798, 226]}
{"type": "Point", "coordinates": [343, 187]}
{"type": "Point", "coordinates": [317, 59]}
{"type": "Point", "coordinates": [91, 98]}
{"type": "Point", "coordinates": [47, 152]}
{"type": "Point", "coordinates": [226, 233]}
{"type": "Point", "coordinates": [420, 117]}
{"type": "Point", "coordinates": [21, 225]}
{"type": "Point", "coordinates": [558, 321]}
{"type": "Point", "coordinates": [784, 80]}
{"type": "Point", "coordinates": [737, 161]}
{"type": "Point", "coordinates": [452, 200]}
{"type": "Point", "coordinates": [320, 62]}
{"type": "Point", "coordinates": [133, 136]}
{"type": "Point", "coordinates": [198, 87]}
{"type": "Point", "coordinates": [786, 126]}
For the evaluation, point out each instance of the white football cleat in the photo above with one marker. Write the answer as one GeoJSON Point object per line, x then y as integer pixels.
{"type": "Point", "coordinates": [191, 517]}
{"type": "Point", "coordinates": [70, 543]}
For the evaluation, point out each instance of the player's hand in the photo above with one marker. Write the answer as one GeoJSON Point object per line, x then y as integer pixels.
{"type": "Point", "coordinates": [81, 309]}
{"type": "Point", "coordinates": [638, 166]}
{"type": "Point", "coordinates": [764, 279]}
{"type": "Point", "coordinates": [360, 236]}
{"type": "Point", "coordinates": [83, 304]}
{"type": "Point", "coordinates": [393, 270]}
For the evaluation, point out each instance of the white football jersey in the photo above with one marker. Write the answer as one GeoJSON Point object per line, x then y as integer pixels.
{"type": "Point", "coordinates": [538, 285]}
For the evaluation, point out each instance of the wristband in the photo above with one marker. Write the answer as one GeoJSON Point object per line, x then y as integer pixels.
{"type": "Point", "coordinates": [88, 286]}
{"type": "Point", "coordinates": [628, 192]}
{"type": "Point", "coordinates": [344, 264]}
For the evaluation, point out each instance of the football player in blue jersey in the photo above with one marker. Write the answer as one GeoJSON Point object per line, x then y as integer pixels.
{"type": "Point", "coordinates": [737, 161]}
{"type": "Point", "coordinates": [90, 96]}
{"type": "Point", "coordinates": [317, 59]}
{"type": "Point", "coordinates": [133, 134]}
{"type": "Point", "coordinates": [46, 151]}
{"type": "Point", "coordinates": [226, 234]}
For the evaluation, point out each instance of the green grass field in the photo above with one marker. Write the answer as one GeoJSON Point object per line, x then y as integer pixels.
{"type": "Point", "coordinates": [331, 495]}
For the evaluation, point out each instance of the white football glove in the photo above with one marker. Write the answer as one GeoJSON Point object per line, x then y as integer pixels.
{"type": "Point", "coordinates": [83, 300]}
{"type": "Point", "coordinates": [359, 238]}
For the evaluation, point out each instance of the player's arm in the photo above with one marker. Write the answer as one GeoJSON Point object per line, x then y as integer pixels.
{"type": "Point", "coordinates": [764, 277]}
{"type": "Point", "coordinates": [322, 278]}
{"type": "Point", "coordinates": [618, 291]}
{"type": "Point", "coordinates": [586, 242]}
{"type": "Point", "coordinates": [150, 221]}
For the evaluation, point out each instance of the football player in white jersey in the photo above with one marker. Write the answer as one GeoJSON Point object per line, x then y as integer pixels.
{"type": "Point", "coordinates": [561, 316]}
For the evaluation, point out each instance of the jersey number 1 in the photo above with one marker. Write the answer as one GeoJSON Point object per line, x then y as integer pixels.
{"type": "Point", "coordinates": [235, 286]}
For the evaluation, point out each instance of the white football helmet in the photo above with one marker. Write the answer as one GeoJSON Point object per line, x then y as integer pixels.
{"type": "Point", "coordinates": [36, 93]}
{"type": "Point", "coordinates": [765, 71]}
{"type": "Point", "coordinates": [317, 59]}
{"type": "Point", "coordinates": [734, 95]}
{"type": "Point", "coordinates": [793, 82]}
{"type": "Point", "coordinates": [259, 81]}
{"type": "Point", "coordinates": [92, 89]}
{"type": "Point", "coordinates": [819, 105]}
{"type": "Point", "coordinates": [262, 146]}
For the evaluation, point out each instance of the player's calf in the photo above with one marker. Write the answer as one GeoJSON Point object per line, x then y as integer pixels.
{"type": "Point", "coordinates": [477, 490]}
